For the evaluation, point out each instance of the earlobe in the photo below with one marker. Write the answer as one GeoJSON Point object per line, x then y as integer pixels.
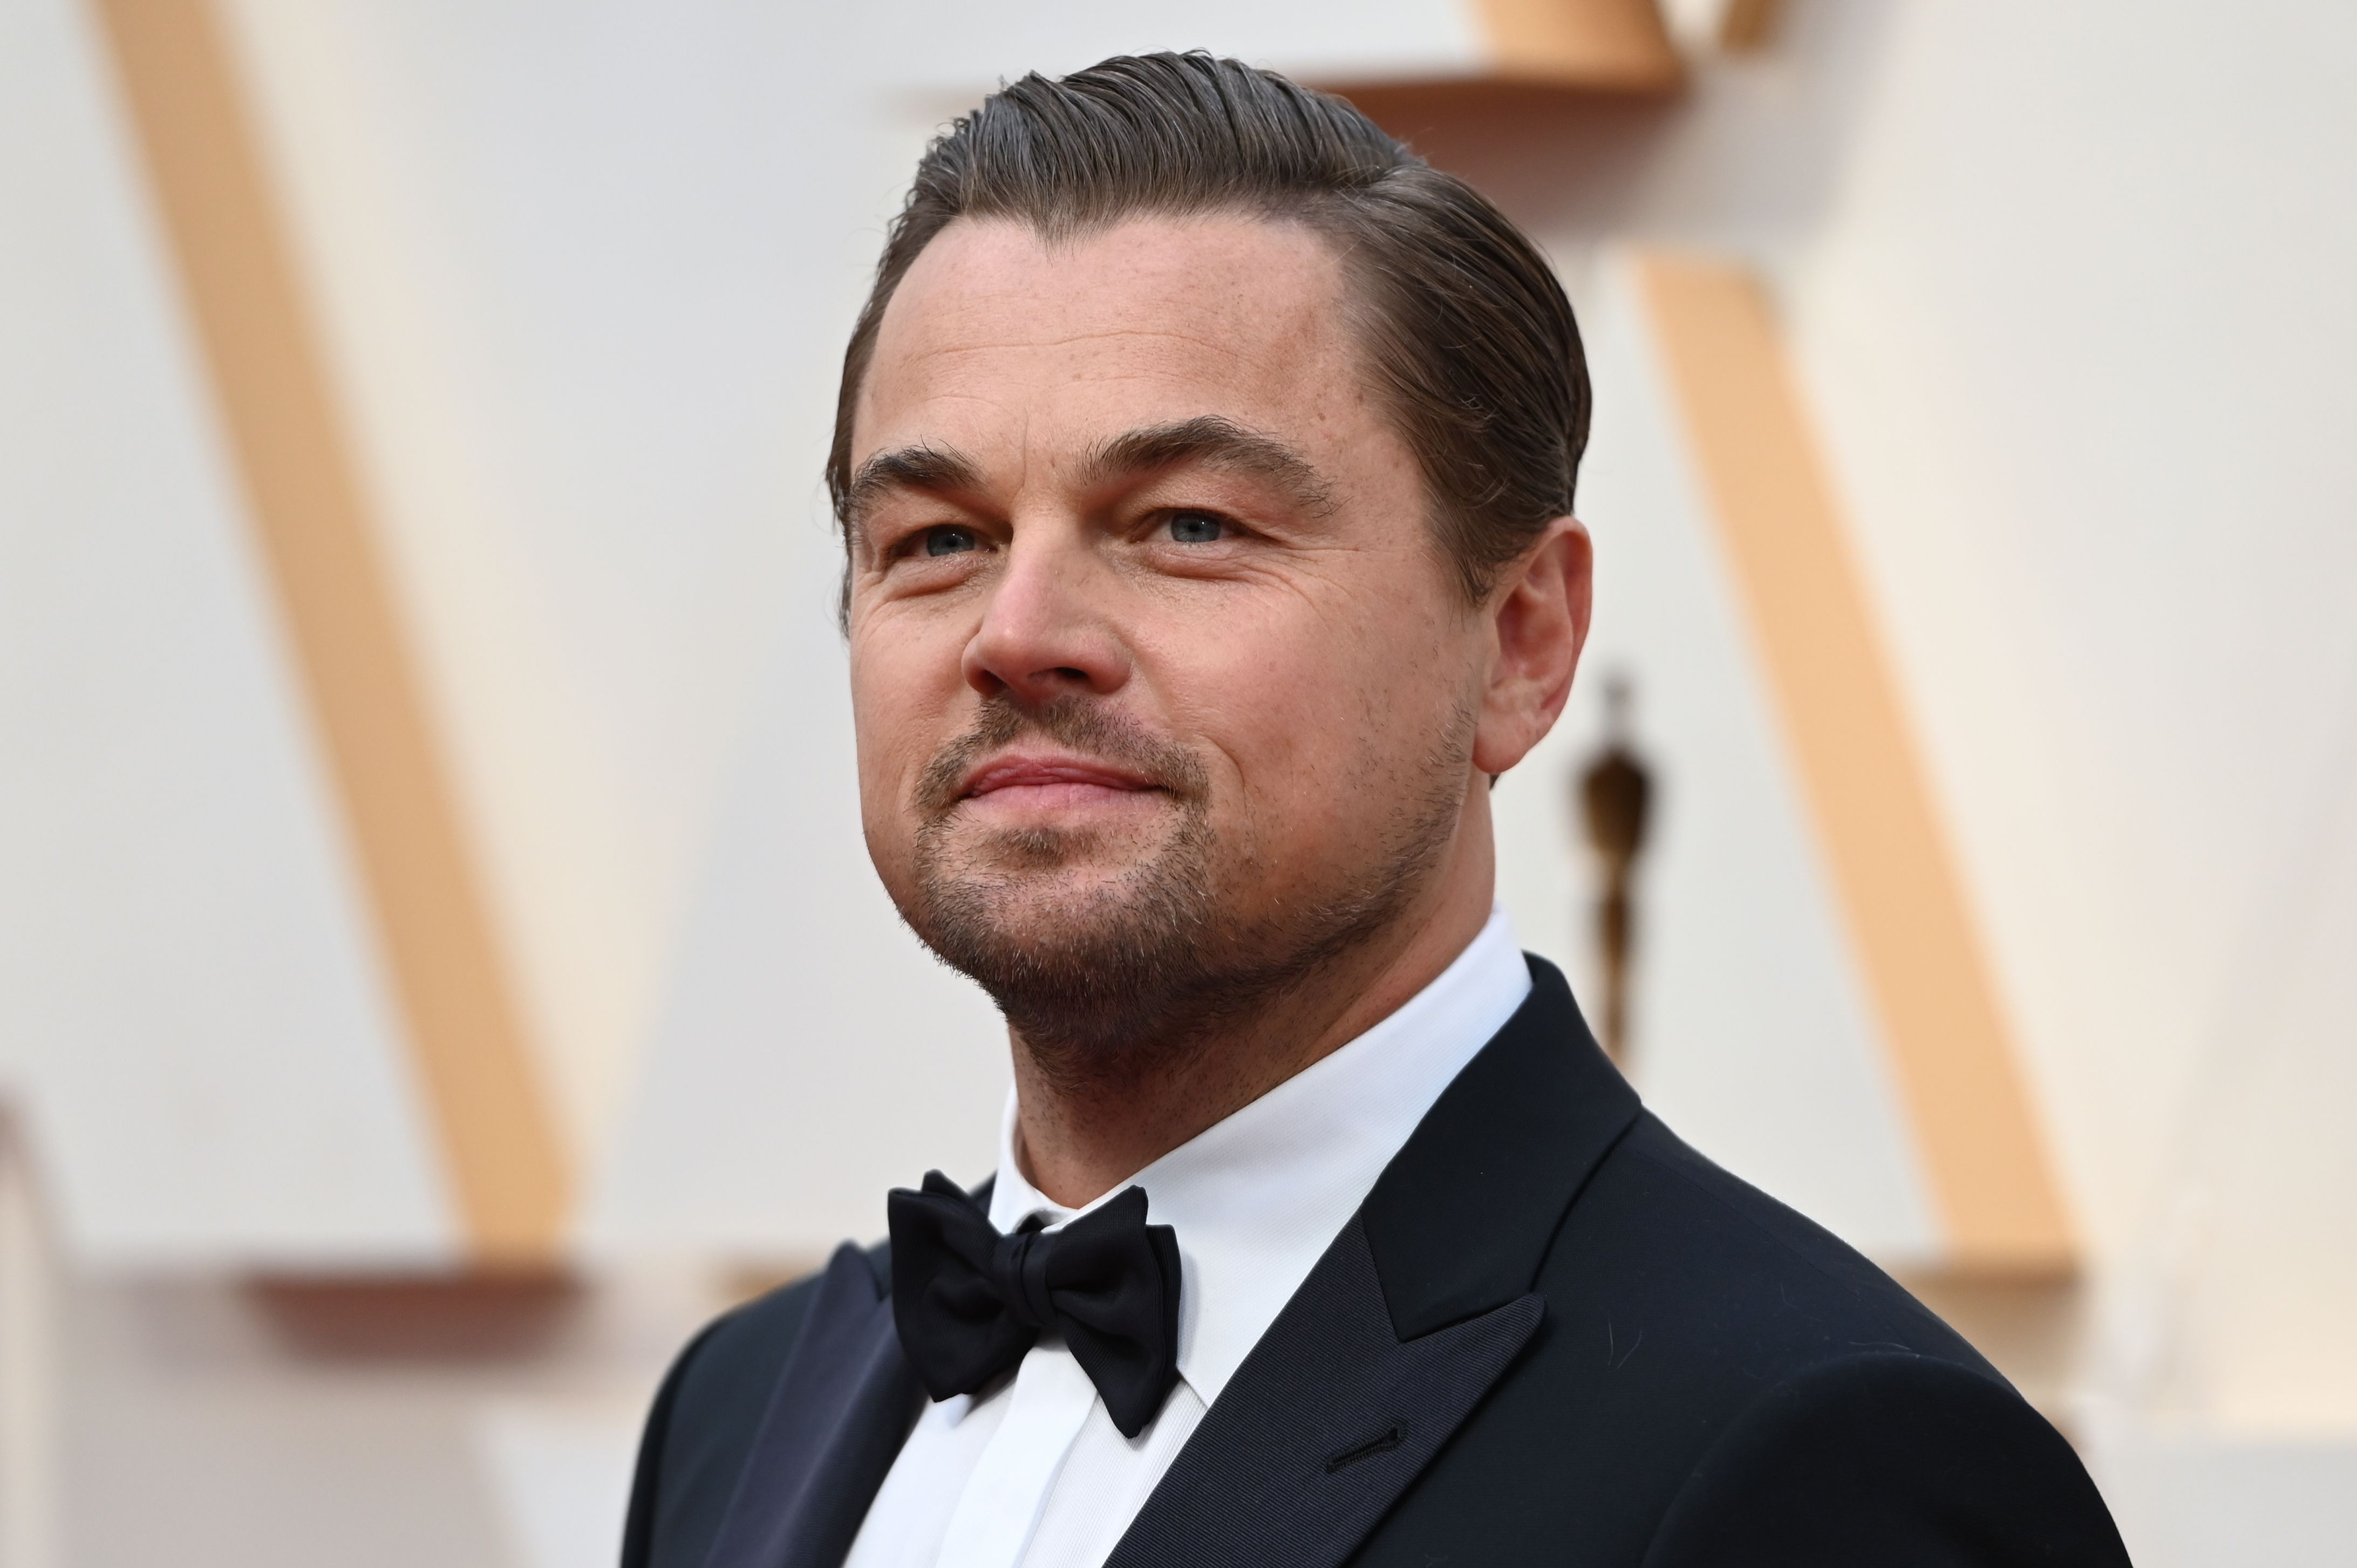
{"type": "Point", "coordinates": [1539, 623]}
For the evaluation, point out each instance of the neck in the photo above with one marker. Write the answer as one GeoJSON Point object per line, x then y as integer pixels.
{"type": "Point", "coordinates": [1078, 1139]}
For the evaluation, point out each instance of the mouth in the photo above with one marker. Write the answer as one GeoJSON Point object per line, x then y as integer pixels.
{"type": "Point", "coordinates": [1053, 783]}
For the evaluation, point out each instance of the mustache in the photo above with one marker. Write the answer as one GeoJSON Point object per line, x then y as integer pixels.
{"type": "Point", "coordinates": [1076, 724]}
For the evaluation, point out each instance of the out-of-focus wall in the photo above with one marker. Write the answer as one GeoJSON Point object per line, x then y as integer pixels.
{"type": "Point", "coordinates": [2075, 325]}
{"type": "Point", "coordinates": [192, 1020]}
{"type": "Point", "coordinates": [2060, 289]}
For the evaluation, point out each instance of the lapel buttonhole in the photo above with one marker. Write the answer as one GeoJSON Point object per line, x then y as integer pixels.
{"type": "Point", "coordinates": [1383, 1442]}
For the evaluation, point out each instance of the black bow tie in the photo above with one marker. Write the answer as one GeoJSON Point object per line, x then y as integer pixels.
{"type": "Point", "coordinates": [969, 1301]}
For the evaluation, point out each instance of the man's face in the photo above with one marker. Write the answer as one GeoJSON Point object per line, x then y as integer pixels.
{"type": "Point", "coordinates": [1163, 690]}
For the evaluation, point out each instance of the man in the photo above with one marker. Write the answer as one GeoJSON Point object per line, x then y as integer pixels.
{"type": "Point", "coordinates": [1205, 464]}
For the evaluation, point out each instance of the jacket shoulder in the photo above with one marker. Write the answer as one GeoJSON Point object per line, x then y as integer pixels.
{"type": "Point", "coordinates": [1711, 1257]}
{"type": "Point", "coordinates": [704, 1422]}
{"type": "Point", "coordinates": [1848, 1422]}
{"type": "Point", "coordinates": [1885, 1457]}
{"type": "Point", "coordinates": [1679, 1301]}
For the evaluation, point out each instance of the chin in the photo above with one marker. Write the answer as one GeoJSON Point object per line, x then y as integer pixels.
{"type": "Point", "coordinates": [1073, 938]}
{"type": "Point", "coordinates": [1071, 907]}
{"type": "Point", "coordinates": [1051, 862]}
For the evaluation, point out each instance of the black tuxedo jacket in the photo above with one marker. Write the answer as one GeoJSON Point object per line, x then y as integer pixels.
{"type": "Point", "coordinates": [1554, 1334]}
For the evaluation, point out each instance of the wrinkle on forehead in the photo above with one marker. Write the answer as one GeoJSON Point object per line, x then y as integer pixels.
{"type": "Point", "coordinates": [981, 286]}
{"type": "Point", "coordinates": [1224, 316]}
{"type": "Point", "coordinates": [1102, 334]}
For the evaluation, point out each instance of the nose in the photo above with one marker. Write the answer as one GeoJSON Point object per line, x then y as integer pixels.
{"type": "Point", "coordinates": [1047, 630]}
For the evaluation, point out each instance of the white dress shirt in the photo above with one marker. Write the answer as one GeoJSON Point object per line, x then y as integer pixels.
{"type": "Point", "coordinates": [1033, 1473]}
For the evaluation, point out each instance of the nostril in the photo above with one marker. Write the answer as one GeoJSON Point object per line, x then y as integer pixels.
{"type": "Point", "coordinates": [1069, 673]}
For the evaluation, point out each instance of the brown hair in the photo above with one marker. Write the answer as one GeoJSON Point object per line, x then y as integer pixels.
{"type": "Point", "coordinates": [1468, 331]}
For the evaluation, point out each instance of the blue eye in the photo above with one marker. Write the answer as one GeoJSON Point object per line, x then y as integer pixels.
{"type": "Point", "coordinates": [1197, 528]}
{"type": "Point", "coordinates": [947, 541]}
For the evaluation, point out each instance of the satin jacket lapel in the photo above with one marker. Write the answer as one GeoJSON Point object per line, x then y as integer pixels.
{"type": "Point", "coordinates": [1323, 1426]}
{"type": "Point", "coordinates": [837, 1420]}
{"type": "Point", "coordinates": [1417, 1309]}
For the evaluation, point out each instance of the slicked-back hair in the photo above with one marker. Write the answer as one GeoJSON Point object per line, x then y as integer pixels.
{"type": "Point", "coordinates": [1462, 323]}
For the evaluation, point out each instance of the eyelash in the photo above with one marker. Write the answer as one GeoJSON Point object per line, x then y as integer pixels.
{"type": "Point", "coordinates": [913, 545]}
{"type": "Point", "coordinates": [1163, 520]}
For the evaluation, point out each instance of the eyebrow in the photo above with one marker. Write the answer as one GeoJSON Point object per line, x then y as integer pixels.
{"type": "Point", "coordinates": [1212, 442]}
{"type": "Point", "coordinates": [937, 469]}
{"type": "Point", "coordinates": [1208, 440]}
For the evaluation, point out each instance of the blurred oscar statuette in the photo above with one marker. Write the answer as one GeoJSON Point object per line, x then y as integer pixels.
{"type": "Point", "coordinates": [1614, 795]}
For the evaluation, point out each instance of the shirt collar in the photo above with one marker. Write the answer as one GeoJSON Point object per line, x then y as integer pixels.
{"type": "Point", "coordinates": [1257, 1197]}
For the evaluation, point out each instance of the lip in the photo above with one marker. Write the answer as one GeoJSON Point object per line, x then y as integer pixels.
{"type": "Point", "coordinates": [1048, 771]}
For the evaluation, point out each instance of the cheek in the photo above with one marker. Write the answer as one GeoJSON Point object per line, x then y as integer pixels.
{"type": "Point", "coordinates": [1305, 708]}
{"type": "Point", "coordinates": [900, 706]}
{"type": "Point", "coordinates": [1369, 709]}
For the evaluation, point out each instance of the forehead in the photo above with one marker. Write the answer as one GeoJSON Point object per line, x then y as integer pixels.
{"type": "Point", "coordinates": [999, 340]}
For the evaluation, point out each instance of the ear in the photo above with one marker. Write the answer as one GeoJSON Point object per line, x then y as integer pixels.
{"type": "Point", "coordinates": [1538, 622]}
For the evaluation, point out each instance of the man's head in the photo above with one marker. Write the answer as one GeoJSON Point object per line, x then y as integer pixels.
{"type": "Point", "coordinates": [1205, 462]}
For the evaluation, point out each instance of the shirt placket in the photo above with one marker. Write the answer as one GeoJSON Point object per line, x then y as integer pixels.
{"type": "Point", "coordinates": [1000, 1506]}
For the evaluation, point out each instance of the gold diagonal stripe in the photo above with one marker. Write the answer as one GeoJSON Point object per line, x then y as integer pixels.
{"type": "Point", "coordinates": [240, 286]}
{"type": "Point", "coordinates": [1929, 984]}
{"type": "Point", "coordinates": [1607, 45]}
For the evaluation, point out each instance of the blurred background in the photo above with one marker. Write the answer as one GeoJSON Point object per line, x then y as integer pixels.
{"type": "Point", "coordinates": [438, 963]}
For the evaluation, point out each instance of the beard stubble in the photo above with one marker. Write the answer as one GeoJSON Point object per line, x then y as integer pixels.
{"type": "Point", "coordinates": [1123, 979]}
